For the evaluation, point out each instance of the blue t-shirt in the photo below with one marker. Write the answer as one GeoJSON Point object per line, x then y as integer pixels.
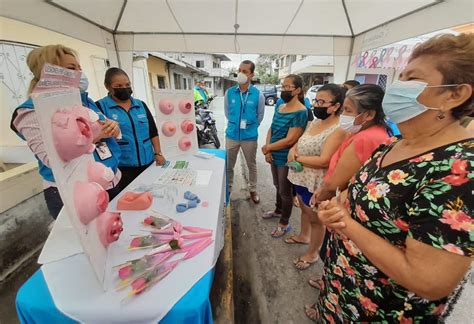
{"type": "Point", "coordinates": [281, 123]}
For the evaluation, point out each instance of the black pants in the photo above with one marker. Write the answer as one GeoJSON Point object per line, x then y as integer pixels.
{"type": "Point", "coordinates": [284, 198]}
{"type": "Point", "coordinates": [130, 173]}
{"type": "Point", "coordinates": [55, 203]}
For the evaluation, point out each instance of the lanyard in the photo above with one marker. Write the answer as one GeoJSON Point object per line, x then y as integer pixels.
{"type": "Point", "coordinates": [244, 103]}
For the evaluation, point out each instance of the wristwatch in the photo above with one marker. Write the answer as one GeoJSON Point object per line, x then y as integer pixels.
{"type": "Point", "coordinates": [159, 154]}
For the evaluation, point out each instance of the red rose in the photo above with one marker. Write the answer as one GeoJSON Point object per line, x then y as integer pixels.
{"type": "Point", "coordinates": [136, 242]}
{"type": "Point", "coordinates": [148, 220]}
{"type": "Point", "coordinates": [456, 180]}
{"type": "Point", "coordinates": [138, 285]}
{"type": "Point", "coordinates": [459, 167]}
{"type": "Point", "coordinates": [402, 225]}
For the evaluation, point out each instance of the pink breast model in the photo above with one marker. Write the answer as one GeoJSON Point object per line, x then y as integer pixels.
{"type": "Point", "coordinates": [135, 201]}
{"type": "Point", "coordinates": [109, 227]}
{"type": "Point", "coordinates": [99, 173]}
{"type": "Point", "coordinates": [187, 126]}
{"type": "Point", "coordinates": [166, 106]}
{"type": "Point", "coordinates": [185, 106]}
{"type": "Point", "coordinates": [72, 134]}
{"type": "Point", "coordinates": [168, 128]}
{"type": "Point", "coordinates": [184, 144]}
{"type": "Point", "coordinates": [90, 200]}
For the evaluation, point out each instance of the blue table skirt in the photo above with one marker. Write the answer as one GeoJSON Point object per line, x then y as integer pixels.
{"type": "Point", "coordinates": [34, 303]}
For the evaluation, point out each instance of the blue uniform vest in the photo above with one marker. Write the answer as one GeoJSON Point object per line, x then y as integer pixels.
{"type": "Point", "coordinates": [111, 162]}
{"type": "Point", "coordinates": [136, 146]}
{"type": "Point", "coordinates": [242, 108]}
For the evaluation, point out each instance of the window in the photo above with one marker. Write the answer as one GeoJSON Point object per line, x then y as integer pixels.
{"type": "Point", "coordinates": [200, 64]}
{"type": "Point", "coordinates": [190, 84]}
{"type": "Point", "coordinates": [161, 82]}
{"type": "Point", "coordinates": [177, 81]}
{"type": "Point", "coordinates": [382, 81]}
{"type": "Point", "coordinates": [185, 83]}
{"type": "Point", "coordinates": [208, 84]}
{"type": "Point", "coordinates": [215, 65]}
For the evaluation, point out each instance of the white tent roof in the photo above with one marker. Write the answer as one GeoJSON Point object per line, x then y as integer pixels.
{"type": "Point", "coordinates": [315, 27]}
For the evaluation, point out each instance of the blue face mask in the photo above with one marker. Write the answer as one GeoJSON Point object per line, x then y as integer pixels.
{"type": "Point", "coordinates": [400, 101]}
{"type": "Point", "coordinates": [83, 83]}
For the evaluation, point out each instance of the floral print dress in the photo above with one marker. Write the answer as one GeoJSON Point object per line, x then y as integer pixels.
{"type": "Point", "coordinates": [428, 198]}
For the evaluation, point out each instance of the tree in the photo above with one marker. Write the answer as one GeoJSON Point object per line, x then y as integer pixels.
{"type": "Point", "coordinates": [264, 69]}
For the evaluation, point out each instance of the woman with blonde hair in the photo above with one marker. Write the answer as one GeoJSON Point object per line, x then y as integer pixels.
{"type": "Point", "coordinates": [25, 124]}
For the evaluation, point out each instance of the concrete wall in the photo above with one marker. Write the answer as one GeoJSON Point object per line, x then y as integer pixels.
{"type": "Point", "coordinates": [90, 57]}
{"type": "Point", "coordinates": [157, 67]}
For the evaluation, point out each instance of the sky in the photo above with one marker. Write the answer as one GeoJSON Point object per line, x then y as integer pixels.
{"type": "Point", "coordinates": [237, 58]}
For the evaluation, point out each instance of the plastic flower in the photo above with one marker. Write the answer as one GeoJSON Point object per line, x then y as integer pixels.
{"type": "Point", "coordinates": [397, 176]}
{"type": "Point", "coordinates": [457, 220]}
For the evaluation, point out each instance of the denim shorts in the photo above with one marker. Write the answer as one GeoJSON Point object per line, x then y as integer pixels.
{"type": "Point", "coordinates": [304, 193]}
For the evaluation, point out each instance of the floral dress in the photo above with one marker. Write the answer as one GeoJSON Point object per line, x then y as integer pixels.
{"type": "Point", "coordinates": [428, 198]}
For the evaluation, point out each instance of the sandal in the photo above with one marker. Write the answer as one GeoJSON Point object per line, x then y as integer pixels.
{"type": "Point", "coordinates": [312, 312]}
{"type": "Point", "coordinates": [270, 214]}
{"type": "Point", "coordinates": [292, 240]}
{"type": "Point", "coordinates": [280, 231]}
{"type": "Point", "coordinates": [301, 264]}
{"type": "Point", "coordinates": [316, 283]}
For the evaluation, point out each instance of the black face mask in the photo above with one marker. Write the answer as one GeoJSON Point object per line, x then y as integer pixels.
{"type": "Point", "coordinates": [122, 93]}
{"type": "Point", "coordinates": [286, 96]}
{"type": "Point", "coordinates": [321, 112]}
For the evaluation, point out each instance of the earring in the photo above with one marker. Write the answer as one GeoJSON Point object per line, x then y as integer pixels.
{"type": "Point", "coordinates": [441, 115]}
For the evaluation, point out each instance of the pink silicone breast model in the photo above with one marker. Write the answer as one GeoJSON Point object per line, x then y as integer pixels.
{"type": "Point", "coordinates": [135, 201]}
{"type": "Point", "coordinates": [184, 144]}
{"type": "Point", "coordinates": [187, 126]}
{"type": "Point", "coordinates": [169, 128]}
{"type": "Point", "coordinates": [185, 106]}
{"type": "Point", "coordinates": [72, 134]}
{"type": "Point", "coordinates": [99, 173]}
{"type": "Point", "coordinates": [166, 106]}
{"type": "Point", "coordinates": [90, 200]}
{"type": "Point", "coordinates": [109, 227]}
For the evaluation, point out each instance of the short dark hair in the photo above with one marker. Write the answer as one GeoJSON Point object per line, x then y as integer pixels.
{"type": "Point", "coordinates": [369, 97]}
{"type": "Point", "coordinates": [338, 92]}
{"type": "Point", "coordinates": [252, 65]}
{"type": "Point", "coordinates": [113, 71]}
{"type": "Point", "coordinates": [298, 83]}
{"type": "Point", "coordinates": [351, 83]}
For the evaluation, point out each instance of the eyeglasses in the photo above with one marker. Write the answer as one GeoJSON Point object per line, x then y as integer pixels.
{"type": "Point", "coordinates": [321, 102]}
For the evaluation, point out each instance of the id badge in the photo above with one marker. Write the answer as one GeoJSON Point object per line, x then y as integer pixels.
{"type": "Point", "coordinates": [243, 124]}
{"type": "Point", "coordinates": [103, 151]}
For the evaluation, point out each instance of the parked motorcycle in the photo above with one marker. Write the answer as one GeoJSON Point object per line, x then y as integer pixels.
{"type": "Point", "coordinates": [206, 124]}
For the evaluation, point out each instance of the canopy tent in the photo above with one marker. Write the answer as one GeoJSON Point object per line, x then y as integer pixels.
{"type": "Point", "coordinates": [338, 28]}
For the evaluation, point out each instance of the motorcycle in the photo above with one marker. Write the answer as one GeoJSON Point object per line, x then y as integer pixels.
{"type": "Point", "coordinates": [206, 124]}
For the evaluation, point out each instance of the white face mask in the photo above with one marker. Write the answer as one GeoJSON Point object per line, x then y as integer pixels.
{"type": "Point", "coordinates": [83, 83]}
{"type": "Point", "coordinates": [242, 78]}
{"type": "Point", "coordinates": [347, 124]}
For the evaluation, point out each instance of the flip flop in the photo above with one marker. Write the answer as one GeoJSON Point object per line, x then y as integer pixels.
{"type": "Point", "coordinates": [312, 312]}
{"type": "Point", "coordinates": [280, 231]}
{"type": "Point", "coordinates": [292, 240]}
{"type": "Point", "coordinates": [305, 264]}
{"type": "Point", "coordinates": [316, 283]}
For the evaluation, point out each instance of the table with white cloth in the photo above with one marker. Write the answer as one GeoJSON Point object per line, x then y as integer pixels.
{"type": "Point", "coordinates": [66, 290]}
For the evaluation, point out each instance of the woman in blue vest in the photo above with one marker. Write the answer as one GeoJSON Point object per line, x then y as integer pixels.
{"type": "Point", "coordinates": [139, 144]}
{"type": "Point", "coordinates": [25, 124]}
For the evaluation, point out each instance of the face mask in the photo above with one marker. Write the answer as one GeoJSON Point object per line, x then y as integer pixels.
{"type": "Point", "coordinates": [347, 124]}
{"type": "Point", "coordinates": [83, 83]}
{"type": "Point", "coordinates": [321, 112]}
{"type": "Point", "coordinates": [123, 93]}
{"type": "Point", "coordinates": [242, 78]}
{"type": "Point", "coordinates": [400, 101]}
{"type": "Point", "coordinates": [286, 96]}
